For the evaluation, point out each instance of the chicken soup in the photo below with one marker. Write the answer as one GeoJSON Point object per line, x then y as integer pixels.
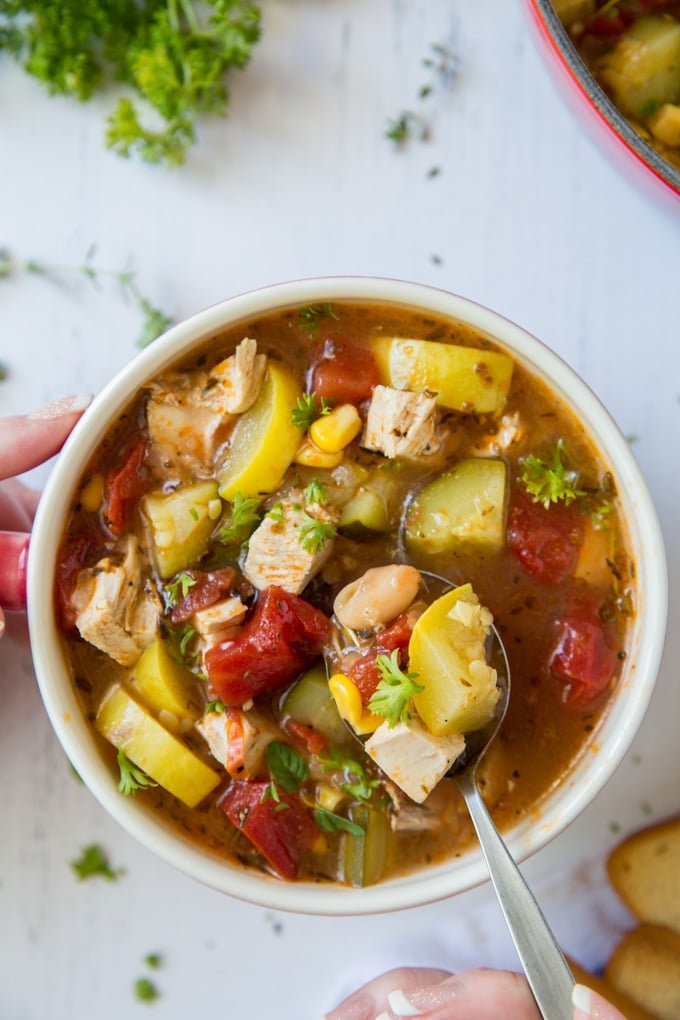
{"type": "Point", "coordinates": [294, 481]}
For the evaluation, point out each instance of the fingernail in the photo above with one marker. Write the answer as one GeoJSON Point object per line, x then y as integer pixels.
{"type": "Point", "coordinates": [582, 998]}
{"type": "Point", "coordinates": [421, 1000]}
{"type": "Point", "coordinates": [65, 405]}
{"type": "Point", "coordinates": [400, 1005]}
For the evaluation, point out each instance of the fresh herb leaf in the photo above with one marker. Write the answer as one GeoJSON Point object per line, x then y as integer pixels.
{"type": "Point", "coordinates": [180, 639]}
{"type": "Point", "coordinates": [392, 695]}
{"type": "Point", "coordinates": [94, 862]}
{"type": "Point", "coordinates": [132, 778]}
{"type": "Point", "coordinates": [193, 512]}
{"type": "Point", "coordinates": [550, 481]}
{"type": "Point", "coordinates": [309, 407]}
{"type": "Point", "coordinates": [146, 990]}
{"type": "Point", "coordinates": [407, 125]}
{"type": "Point", "coordinates": [172, 55]}
{"type": "Point", "coordinates": [315, 492]}
{"type": "Point", "coordinates": [330, 822]}
{"type": "Point", "coordinates": [287, 767]}
{"type": "Point", "coordinates": [314, 534]}
{"type": "Point", "coordinates": [153, 961]}
{"type": "Point", "coordinates": [244, 519]}
{"type": "Point", "coordinates": [277, 513]}
{"type": "Point", "coordinates": [179, 588]}
{"type": "Point", "coordinates": [311, 315]}
{"type": "Point", "coordinates": [270, 792]}
{"type": "Point", "coordinates": [361, 785]}
{"type": "Point", "coordinates": [217, 706]}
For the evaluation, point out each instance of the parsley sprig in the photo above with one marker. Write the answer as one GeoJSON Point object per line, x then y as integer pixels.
{"type": "Point", "coordinates": [172, 55]}
{"type": "Point", "coordinates": [132, 778]}
{"type": "Point", "coordinates": [179, 588]}
{"type": "Point", "coordinates": [314, 533]}
{"type": "Point", "coordinates": [244, 519]}
{"type": "Point", "coordinates": [311, 315]}
{"type": "Point", "coordinates": [94, 862]}
{"type": "Point", "coordinates": [309, 408]}
{"type": "Point", "coordinates": [358, 783]}
{"type": "Point", "coordinates": [394, 692]}
{"type": "Point", "coordinates": [551, 481]}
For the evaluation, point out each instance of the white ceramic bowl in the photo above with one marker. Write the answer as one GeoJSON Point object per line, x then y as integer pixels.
{"type": "Point", "coordinates": [590, 773]}
{"type": "Point", "coordinates": [616, 135]}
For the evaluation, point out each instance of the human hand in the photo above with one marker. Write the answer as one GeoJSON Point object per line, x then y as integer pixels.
{"type": "Point", "coordinates": [471, 995]}
{"type": "Point", "coordinates": [25, 442]}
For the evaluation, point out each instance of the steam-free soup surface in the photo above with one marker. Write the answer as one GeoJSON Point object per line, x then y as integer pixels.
{"type": "Point", "coordinates": [243, 490]}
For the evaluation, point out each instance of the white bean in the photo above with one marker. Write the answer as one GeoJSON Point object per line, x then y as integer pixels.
{"type": "Point", "coordinates": [377, 597]}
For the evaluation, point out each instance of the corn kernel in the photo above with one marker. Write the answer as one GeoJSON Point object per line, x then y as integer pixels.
{"type": "Point", "coordinates": [320, 845]}
{"type": "Point", "coordinates": [214, 509]}
{"type": "Point", "coordinates": [328, 797]}
{"type": "Point", "coordinates": [348, 703]}
{"type": "Point", "coordinates": [92, 494]}
{"type": "Point", "coordinates": [333, 432]}
{"type": "Point", "coordinates": [310, 455]}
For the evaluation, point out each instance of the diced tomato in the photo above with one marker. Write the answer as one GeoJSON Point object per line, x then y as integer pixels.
{"type": "Point", "coordinates": [209, 587]}
{"type": "Point", "coordinates": [282, 636]}
{"type": "Point", "coordinates": [607, 25]}
{"type": "Point", "coordinates": [307, 736]}
{"type": "Point", "coordinates": [73, 555]}
{"type": "Point", "coordinates": [397, 635]}
{"type": "Point", "coordinates": [364, 672]}
{"type": "Point", "coordinates": [124, 487]}
{"type": "Point", "coordinates": [545, 541]}
{"type": "Point", "coordinates": [585, 654]}
{"type": "Point", "coordinates": [346, 374]}
{"type": "Point", "coordinates": [281, 830]}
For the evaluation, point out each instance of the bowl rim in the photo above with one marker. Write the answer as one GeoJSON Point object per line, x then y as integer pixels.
{"type": "Point", "coordinates": [559, 40]}
{"type": "Point", "coordinates": [436, 882]}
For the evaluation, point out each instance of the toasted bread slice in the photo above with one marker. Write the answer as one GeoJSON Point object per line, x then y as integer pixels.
{"type": "Point", "coordinates": [630, 1009]}
{"type": "Point", "coordinates": [646, 966]}
{"type": "Point", "coordinates": [645, 871]}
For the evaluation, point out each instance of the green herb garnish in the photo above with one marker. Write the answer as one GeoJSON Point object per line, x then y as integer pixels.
{"type": "Point", "coordinates": [132, 778]}
{"type": "Point", "coordinates": [244, 519]}
{"type": "Point", "coordinates": [315, 492]}
{"type": "Point", "coordinates": [330, 822]}
{"type": "Point", "coordinates": [314, 534]}
{"type": "Point", "coordinates": [179, 588]}
{"type": "Point", "coordinates": [277, 513]}
{"type": "Point", "coordinates": [394, 692]}
{"type": "Point", "coordinates": [311, 315]}
{"type": "Point", "coordinates": [286, 766]}
{"type": "Point", "coordinates": [550, 481]}
{"type": "Point", "coordinates": [309, 407]}
{"type": "Point", "coordinates": [145, 990]}
{"type": "Point", "coordinates": [94, 862]}
{"type": "Point", "coordinates": [171, 56]}
{"type": "Point", "coordinates": [153, 961]}
{"type": "Point", "coordinates": [217, 706]}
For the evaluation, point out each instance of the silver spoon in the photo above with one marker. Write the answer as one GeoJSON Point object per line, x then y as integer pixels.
{"type": "Point", "coordinates": [546, 969]}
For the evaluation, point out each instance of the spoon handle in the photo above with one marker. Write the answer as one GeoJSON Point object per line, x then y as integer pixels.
{"type": "Point", "coordinates": [546, 969]}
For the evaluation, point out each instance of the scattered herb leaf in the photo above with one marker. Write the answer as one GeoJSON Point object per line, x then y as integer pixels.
{"type": "Point", "coordinates": [311, 315]}
{"type": "Point", "coordinates": [146, 990]}
{"type": "Point", "coordinates": [395, 690]}
{"type": "Point", "coordinates": [330, 822]}
{"type": "Point", "coordinates": [287, 767]}
{"type": "Point", "coordinates": [244, 519]}
{"type": "Point", "coordinates": [179, 588]}
{"type": "Point", "coordinates": [153, 961]}
{"type": "Point", "coordinates": [217, 706]}
{"type": "Point", "coordinates": [94, 862]}
{"type": "Point", "coordinates": [315, 492]}
{"type": "Point", "coordinates": [308, 408]}
{"type": "Point", "coordinates": [132, 778]}
{"type": "Point", "coordinates": [314, 534]}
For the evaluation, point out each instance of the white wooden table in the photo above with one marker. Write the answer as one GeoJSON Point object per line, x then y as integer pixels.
{"type": "Point", "coordinates": [525, 215]}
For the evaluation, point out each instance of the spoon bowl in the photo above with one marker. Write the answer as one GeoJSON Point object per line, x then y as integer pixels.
{"type": "Point", "coordinates": [546, 969]}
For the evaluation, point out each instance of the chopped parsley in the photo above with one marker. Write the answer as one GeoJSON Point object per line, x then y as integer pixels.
{"type": "Point", "coordinates": [314, 534]}
{"type": "Point", "coordinates": [193, 512]}
{"type": "Point", "coordinates": [328, 821]}
{"type": "Point", "coordinates": [359, 784]}
{"type": "Point", "coordinates": [217, 706]}
{"type": "Point", "coordinates": [146, 990]}
{"type": "Point", "coordinates": [153, 961]}
{"type": "Point", "coordinates": [395, 690]}
{"type": "Point", "coordinates": [315, 492]}
{"type": "Point", "coordinates": [277, 513]}
{"type": "Point", "coordinates": [311, 315]}
{"type": "Point", "coordinates": [244, 519]}
{"type": "Point", "coordinates": [287, 767]}
{"type": "Point", "coordinates": [550, 481]}
{"type": "Point", "coordinates": [94, 862]}
{"type": "Point", "coordinates": [309, 407]}
{"type": "Point", "coordinates": [132, 778]}
{"type": "Point", "coordinates": [180, 639]}
{"type": "Point", "coordinates": [179, 588]}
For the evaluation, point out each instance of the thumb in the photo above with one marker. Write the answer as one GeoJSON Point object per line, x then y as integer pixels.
{"type": "Point", "coordinates": [28, 440]}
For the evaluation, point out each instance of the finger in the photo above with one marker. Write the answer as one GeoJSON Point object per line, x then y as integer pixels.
{"type": "Point", "coordinates": [372, 1000]}
{"type": "Point", "coordinates": [588, 1005]}
{"type": "Point", "coordinates": [28, 440]}
{"type": "Point", "coordinates": [471, 995]}
{"type": "Point", "coordinates": [2, 622]}
{"type": "Point", "coordinates": [17, 506]}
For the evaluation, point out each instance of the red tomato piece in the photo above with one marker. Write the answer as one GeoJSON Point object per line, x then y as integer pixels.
{"type": "Point", "coordinates": [607, 26]}
{"type": "Point", "coordinates": [585, 654]}
{"type": "Point", "coordinates": [281, 834]}
{"type": "Point", "coordinates": [545, 541]}
{"type": "Point", "coordinates": [397, 635]}
{"type": "Point", "coordinates": [73, 555]}
{"type": "Point", "coordinates": [345, 375]}
{"type": "Point", "coordinates": [282, 636]}
{"type": "Point", "coordinates": [305, 735]}
{"type": "Point", "coordinates": [209, 587]}
{"type": "Point", "coordinates": [365, 675]}
{"type": "Point", "coordinates": [125, 486]}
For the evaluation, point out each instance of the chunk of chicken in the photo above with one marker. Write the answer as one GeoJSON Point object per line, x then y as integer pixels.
{"type": "Point", "coordinates": [238, 740]}
{"type": "Point", "coordinates": [240, 376]}
{"type": "Point", "coordinates": [401, 423]}
{"type": "Point", "coordinates": [180, 430]}
{"type": "Point", "coordinates": [511, 432]}
{"type": "Point", "coordinates": [412, 757]}
{"type": "Point", "coordinates": [117, 607]}
{"type": "Point", "coordinates": [220, 621]}
{"type": "Point", "coordinates": [288, 549]}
